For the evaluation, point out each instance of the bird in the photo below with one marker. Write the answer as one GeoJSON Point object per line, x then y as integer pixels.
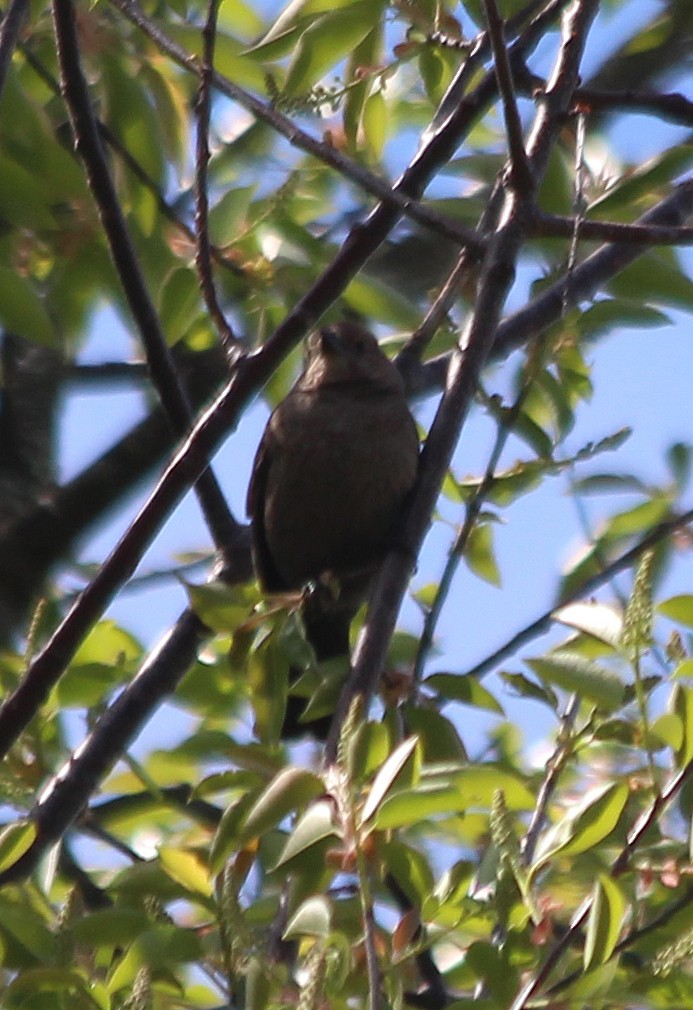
{"type": "Point", "coordinates": [336, 462]}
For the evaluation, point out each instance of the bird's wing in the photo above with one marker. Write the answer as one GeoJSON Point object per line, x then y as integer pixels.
{"type": "Point", "coordinates": [265, 568]}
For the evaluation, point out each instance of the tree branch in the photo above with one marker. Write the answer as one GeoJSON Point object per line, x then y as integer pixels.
{"type": "Point", "coordinates": [203, 257]}
{"type": "Point", "coordinates": [67, 793]}
{"type": "Point", "coordinates": [589, 586]}
{"type": "Point", "coordinates": [521, 177]}
{"type": "Point", "coordinates": [635, 836]}
{"type": "Point", "coordinates": [163, 372]}
{"type": "Point", "coordinates": [12, 24]}
{"type": "Point", "coordinates": [466, 364]}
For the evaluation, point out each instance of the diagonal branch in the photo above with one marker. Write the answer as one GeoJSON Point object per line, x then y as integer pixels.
{"type": "Point", "coordinates": [12, 24]}
{"type": "Point", "coordinates": [163, 372]}
{"type": "Point", "coordinates": [542, 624]}
{"type": "Point", "coordinates": [466, 364]}
{"type": "Point", "coordinates": [66, 795]}
{"type": "Point", "coordinates": [520, 174]}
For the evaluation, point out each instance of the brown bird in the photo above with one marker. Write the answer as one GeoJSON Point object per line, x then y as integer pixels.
{"type": "Point", "coordinates": [335, 463]}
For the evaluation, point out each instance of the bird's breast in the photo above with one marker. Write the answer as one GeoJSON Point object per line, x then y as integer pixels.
{"type": "Point", "coordinates": [338, 477]}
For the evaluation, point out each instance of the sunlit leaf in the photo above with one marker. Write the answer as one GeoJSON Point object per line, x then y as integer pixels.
{"type": "Point", "coordinates": [576, 674]}
{"type": "Point", "coordinates": [315, 825]}
{"type": "Point", "coordinates": [292, 788]}
{"type": "Point", "coordinates": [391, 776]}
{"type": "Point", "coordinates": [604, 922]}
{"type": "Point", "coordinates": [312, 918]}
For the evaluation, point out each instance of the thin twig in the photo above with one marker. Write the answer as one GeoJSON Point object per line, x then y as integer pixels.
{"type": "Point", "coordinates": [411, 355]}
{"type": "Point", "coordinates": [556, 226]}
{"type": "Point", "coordinates": [520, 174]}
{"type": "Point", "coordinates": [634, 837]}
{"type": "Point", "coordinates": [12, 22]}
{"type": "Point", "coordinates": [554, 767]}
{"type": "Point", "coordinates": [473, 509]}
{"type": "Point", "coordinates": [586, 588]}
{"type": "Point", "coordinates": [675, 107]}
{"type": "Point", "coordinates": [203, 259]}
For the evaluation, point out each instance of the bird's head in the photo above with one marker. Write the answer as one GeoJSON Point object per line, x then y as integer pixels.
{"type": "Point", "coordinates": [346, 353]}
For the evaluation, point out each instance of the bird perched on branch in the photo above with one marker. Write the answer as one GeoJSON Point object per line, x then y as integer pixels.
{"type": "Point", "coordinates": [335, 463]}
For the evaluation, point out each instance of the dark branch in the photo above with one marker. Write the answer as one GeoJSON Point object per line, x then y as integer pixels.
{"type": "Point", "coordinates": [203, 257]}
{"type": "Point", "coordinates": [12, 24]}
{"type": "Point", "coordinates": [163, 372]}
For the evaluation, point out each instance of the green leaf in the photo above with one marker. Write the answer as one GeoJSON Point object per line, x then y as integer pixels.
{"type": "Point", "coordinates": [478, 784]}
{"type": "Point", "coordinates": [291, 789]}
{"type": "Point", "coordinates": [479, 554]}
{"type": "Point", "coordinates": [413, 806]}
{"type": "Point", "coordinates": [439, 739]}
{"type": "Point", "coordinates": [23, 312]}
{"type": "Point", "coordinates": [410, 869]}
{"type": "Point", "coordinates": [15, 840]}
{"type": "Point", "coordinates": [526, 688]}
{"type": "Point", "coordinates": [681, 705]}
{"type": "Point", "coordinates": [187, 869]}
{"type": "Point", "coordinates": [655, 277]}
{"type": "Point", "coordinates": [585, 825]}
{"type": "Point", "coordinates": [312, 918]}
{"type": "Point", "coordinates": [179, 303]}
{"type": "Point", "coordinates": [678, 608]}
{"type": "Point", "coordinates": [229, 216]}
{"type": "Point", "coordinates": [110, 927]}
{"type": "Point", "coordinates": [400, 769]}
{"type": "Point", "coordinates": [604, 922]}
{"type": "Point", "coordinates": [160, 948]}
{"type": "Point", "coordinates": [582, 676]}
{"type": "Point", "coordinates": [329, 38]}
{"type": "Point", "coordinates": [23, 197]}
{"type": "Point", "coordinates": [617, 313]}
{"type": "Point", "coordinates": [227, 836]}
{"type": "Point", "coordinates": [316, 824]}
{"type": "Point", "coordinates": [49, 987]}
{"type": "Point", "coordinates": [375, 124]}
{"type": "Point", "coordinates": [465, 689]}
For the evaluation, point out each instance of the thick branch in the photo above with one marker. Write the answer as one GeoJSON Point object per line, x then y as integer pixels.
{"type": "Point", "coordinates": [115, 730]}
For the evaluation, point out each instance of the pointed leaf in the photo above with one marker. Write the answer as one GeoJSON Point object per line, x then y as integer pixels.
{"type": "Point", "coordinates": [312, 918]}
{"type": "Point", "coordinates": [292, 788]}
{"type": "Point", "coordinates": [388, 775]}
{"type": "Point", "coordinates": [605, 921]}
{"type": "Point", "coordinates": [316, 824]}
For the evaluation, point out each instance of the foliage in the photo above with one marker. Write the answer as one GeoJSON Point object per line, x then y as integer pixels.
{"type": "Point", "coordinates": [233, 868]}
